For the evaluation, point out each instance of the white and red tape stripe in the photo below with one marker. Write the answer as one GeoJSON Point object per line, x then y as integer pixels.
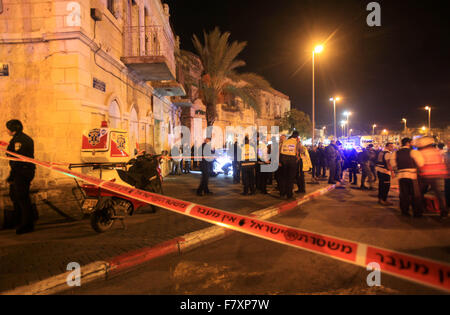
{"type": "Point", "coordinates": [417, 269]}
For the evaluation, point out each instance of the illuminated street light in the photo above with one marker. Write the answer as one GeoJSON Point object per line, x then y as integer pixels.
{"type": "Point", "coordinates": [343, 123]}
{"type": "Point", "coordinates": [334, 100]}
{"type": "Point", "coordinates": [404, 121]}
{"type": "Point", "coordinates": [373, 129]}
{"type": "Point", "coordinates": [351, 130]}
{"type": "Point", "coordinates": [317, 50]}
{"type": "Point", "coordinates": [428, 108]}
{"type": "Point", "coordinates": [348, 114]}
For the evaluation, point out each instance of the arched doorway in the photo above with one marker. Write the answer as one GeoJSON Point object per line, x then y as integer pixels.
{"type": "Point", "coordinates": [114, 115]}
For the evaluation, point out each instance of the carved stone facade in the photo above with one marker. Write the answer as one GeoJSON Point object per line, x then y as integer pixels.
{"type": "Point", "coordinates": [68, 72]}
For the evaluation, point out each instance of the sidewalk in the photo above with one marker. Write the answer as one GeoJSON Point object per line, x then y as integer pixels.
{"type": "Point", "coordinates": [46, 252]}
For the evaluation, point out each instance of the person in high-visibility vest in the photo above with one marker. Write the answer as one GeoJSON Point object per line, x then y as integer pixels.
{"type": "Point", "coordinates": [248, 165]}
{"type": "Point", "coordinates": [385, 173]}
{"type": "Point", "coordinates": [289, 167]}
{"type": "Point", "coordinates": [432, 171]}
{"type": "Point", "coordinates": [406, 161]}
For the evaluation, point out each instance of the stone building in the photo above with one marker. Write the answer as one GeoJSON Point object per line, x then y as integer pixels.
{"type": "Point", "coordinates": [232, 111]}
{"type": "Point", "coordinates": [66, 66]}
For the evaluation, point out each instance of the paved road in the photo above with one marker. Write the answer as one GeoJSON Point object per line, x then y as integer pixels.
{"type": "Point", "coordinates": [32, 257]}
{"type": "Point", "coordinates": [242, 264]}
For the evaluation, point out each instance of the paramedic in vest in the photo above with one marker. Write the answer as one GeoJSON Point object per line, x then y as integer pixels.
{"type": "Point", "coordinates": [21, 176]}
{"type": "Point", "coordinates": [406, 161]}
{"type": "Point", "coordinates": [385, 173]}
{"type": "Point", "coordinates": [289, 165]}
{"type": "Point", "coordinates": [248, 165]}
{"type": "Point", "coordinates": [433, 170]}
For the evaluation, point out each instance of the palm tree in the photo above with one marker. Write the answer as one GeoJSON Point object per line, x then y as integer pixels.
{"type": "Point", "coordinates": [218, 57]}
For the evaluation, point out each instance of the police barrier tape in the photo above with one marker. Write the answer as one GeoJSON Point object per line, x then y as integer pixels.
{"type": "Point", "coordinates": [413, 268]}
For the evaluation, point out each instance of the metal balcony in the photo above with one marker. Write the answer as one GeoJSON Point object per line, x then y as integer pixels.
{"type": "Point", "coordinates": [149, 52]}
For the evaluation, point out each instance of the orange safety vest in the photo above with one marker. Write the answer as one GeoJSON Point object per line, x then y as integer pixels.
{"type": "Point", "coordinates": [434, 166]}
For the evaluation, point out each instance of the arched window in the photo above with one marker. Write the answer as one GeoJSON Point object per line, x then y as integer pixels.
{"type": "Point", "coordinates": [134, 129]}
{"type": "Point", "coordinates": [114, 115]}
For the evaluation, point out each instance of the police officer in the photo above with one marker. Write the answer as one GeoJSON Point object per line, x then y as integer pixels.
{"type": "Point", "coordinates": [406, 161]}
{"type": "Point", "coordinates": [21, 176]}
{"type": "Point", "coordinates": [289, 166]}
{"type": "Point", "coordinates": [205, 166]}
{"type": "Point", "coordinates": [248, 165]}
{"type": "Point", "coordinates": [236, 165]}
{"type": "Point", "coordinates": [385, 173]}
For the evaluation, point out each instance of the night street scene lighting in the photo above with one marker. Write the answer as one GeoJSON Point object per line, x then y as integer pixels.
{"type": "Point", "coordinates": [224, 155]}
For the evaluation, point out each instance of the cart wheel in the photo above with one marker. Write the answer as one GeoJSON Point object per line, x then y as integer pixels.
{"type": "Point", "coordinates": [101, 220]}
{"type": "Point", "coordinates": [122, 207]}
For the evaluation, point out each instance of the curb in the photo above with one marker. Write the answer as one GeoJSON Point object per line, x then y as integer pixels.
{"type": "Point", "coordinates": [181, 244]}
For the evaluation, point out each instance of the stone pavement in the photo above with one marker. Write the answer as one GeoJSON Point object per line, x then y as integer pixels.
{"type": "Point", "coordinates": [244, 264]}
{"type": "Point", "coordinates": [56, 242]}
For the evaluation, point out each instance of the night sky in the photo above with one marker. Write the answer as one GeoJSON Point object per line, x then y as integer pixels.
{"type": "Point", "coordinates": [382, 73]}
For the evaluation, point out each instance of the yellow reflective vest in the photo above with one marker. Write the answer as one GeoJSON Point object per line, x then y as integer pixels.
{"type": "Point", "coordinates": [248, 153]}
{"type": "Point", "coordinates": [289, 147]}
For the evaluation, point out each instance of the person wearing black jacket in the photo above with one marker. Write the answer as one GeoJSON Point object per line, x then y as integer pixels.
{"type": "Point", "coordinates": [205, 166]}
{"type": "Point", "coordinates": [21, 176]}
{"type": "Point", "coordinates": [236, 163]}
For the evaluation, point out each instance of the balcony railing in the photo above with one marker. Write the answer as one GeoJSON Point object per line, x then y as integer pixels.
{"type": "Point", "coordinates": [149, 50]}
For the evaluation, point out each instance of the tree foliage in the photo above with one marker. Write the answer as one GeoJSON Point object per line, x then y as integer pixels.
{"type": "Point", "coordinates": [219, 61]}
{"type": "Point", "coordinates": [298, 120]}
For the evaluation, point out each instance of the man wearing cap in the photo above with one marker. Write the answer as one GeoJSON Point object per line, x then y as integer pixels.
{"type": "Point", "coordinates": [21, 176]}
{"type": "Point", "coordinates": [384, 172]}
{"type": "Point", "coordinates": [433, 170]}
{"type": "Point", "coordinates": [406, 161]}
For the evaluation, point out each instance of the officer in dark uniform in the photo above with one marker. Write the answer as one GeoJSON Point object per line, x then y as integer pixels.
{"type": "Point", "coordinates": [248, 165]}
{"type": "Point", "coordinates": [406, 161]}
{"type": "Point", "coordinates": [21, 176]}
{"type": "Point", "coordinates": [205, 166]}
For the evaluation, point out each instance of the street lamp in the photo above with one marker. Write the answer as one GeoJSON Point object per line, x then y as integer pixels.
{"type": "Point", "coordinates": [351, 130]}
{"type": "Point", "coordinates": [348, 114]}
{"type": "Point", "coordinates": [334, 100]}
{"type": "Point", "coordinates": [404, 121]}
{"type": "Point", "coordinates": [317, 50]}
{"type": "Point", "coordinates": [428, 108]}
{"type": "Point", "coordinates": [343, 123]}
{"type": "Point", "coordinates": [373, 129]}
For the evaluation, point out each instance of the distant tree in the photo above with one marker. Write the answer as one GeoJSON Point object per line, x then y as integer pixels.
{"type": "Point", "coordinates": [298, 120]}
{"type": "Point", "coordinates": [218, 57]}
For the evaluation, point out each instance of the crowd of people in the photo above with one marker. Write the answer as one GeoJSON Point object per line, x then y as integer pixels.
{"type": "Point", "coordinates": [418, 165]}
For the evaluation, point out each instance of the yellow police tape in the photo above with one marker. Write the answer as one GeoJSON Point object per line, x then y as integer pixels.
{"type": "Point", "coordinates": [425, 271]}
